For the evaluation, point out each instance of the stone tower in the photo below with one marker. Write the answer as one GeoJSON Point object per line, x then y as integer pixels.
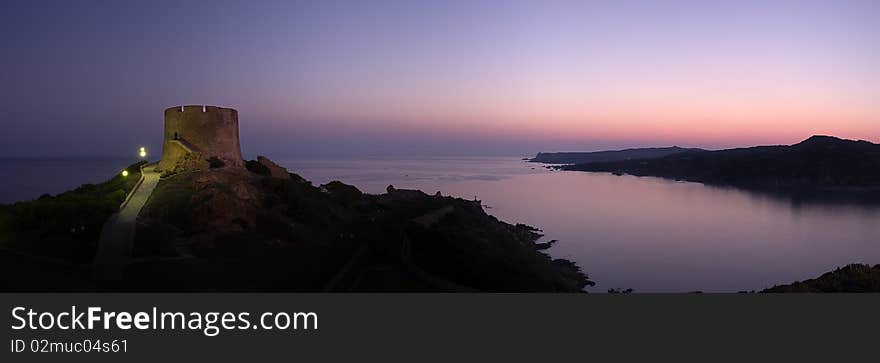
{"type": "Point", "coordinates": [196, 134]}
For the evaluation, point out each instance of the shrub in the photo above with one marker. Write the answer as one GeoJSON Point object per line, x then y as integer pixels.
{"type": "Point", "coordinates": [257, 168]}
{"type": "Point", "coordinates": [342, 193]}
{"type": "Point", "coordinates": [215, 162]}
{"type": "Point", "coordinates": [66, 225]}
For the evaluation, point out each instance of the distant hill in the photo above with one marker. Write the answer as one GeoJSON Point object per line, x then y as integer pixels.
{"type": "Point", "coordinates": [601, 156]}
{"type": "Point", "coordinates": [851, 278]}
{"type": "Point", "coordinates": [820, 161]}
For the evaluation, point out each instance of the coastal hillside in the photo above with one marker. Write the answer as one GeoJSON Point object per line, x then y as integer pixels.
{"type": "Point", "coordinates": [604, 156]}
{"type": "Point", "coordinates": [850, 278]}
{"type": "Point", "coordinates": [65, 226]}
{"type": "Point", "coordinates": [260, 228]}
{"type": "Point", "coordinates": [820, 162]}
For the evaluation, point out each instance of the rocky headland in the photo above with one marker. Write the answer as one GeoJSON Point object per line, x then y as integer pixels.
{"type": "Point", "coordinates": [850, 278]}
{"type": "Point", "coordinates": [605, 156]}
{"type": "Point", "coordinates": [820, 168]}
{"type": "Point", "coordinates": [260, 228]}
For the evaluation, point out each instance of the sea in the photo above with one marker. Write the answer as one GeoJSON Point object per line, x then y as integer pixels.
{"type": "Point", "coordinates": [626, 232]}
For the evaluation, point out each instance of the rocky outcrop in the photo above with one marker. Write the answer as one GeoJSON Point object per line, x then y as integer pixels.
{"type": "Point", "coordinates": [404, 194]}
{"type": "Point", "coordinates": [225, 200]}
{"type": "Point", "coordinates": [232, 229]}
{"type": "Point", "coordinates": [275, 170]}
{"type": "Point", "coordinates": [850, 278]}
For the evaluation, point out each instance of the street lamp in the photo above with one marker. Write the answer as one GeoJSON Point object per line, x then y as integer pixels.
{"type": "Point", "coordinates": [125, 173]}
{"type": "Point", "coordinates": [143, 152]}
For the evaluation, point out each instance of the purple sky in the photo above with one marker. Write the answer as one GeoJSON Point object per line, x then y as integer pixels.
{"type": "Point", "coordinates": [91, 78]}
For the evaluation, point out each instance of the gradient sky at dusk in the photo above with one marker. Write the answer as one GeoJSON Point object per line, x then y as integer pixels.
{"type": "Point", "coordinates": [442, 77]}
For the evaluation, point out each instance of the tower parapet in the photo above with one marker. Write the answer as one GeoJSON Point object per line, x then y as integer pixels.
{"type": "Point", "coordinates": [194, 134]}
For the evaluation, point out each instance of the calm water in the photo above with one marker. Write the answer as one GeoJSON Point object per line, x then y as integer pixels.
{"type": "Point", "coordinates": [648, 234]}
{"type": "Point", "coordinates": [28, 179]}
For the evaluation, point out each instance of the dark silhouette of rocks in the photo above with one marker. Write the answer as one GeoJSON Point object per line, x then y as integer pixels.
{"type": "Point", "coordinates": [601, 156]}
{"type": "Point", "coordinates": [275, 170]}
{"type": "Point", "coordinates": [818, 163]}
{"type": "Point", "coordinates": [251, 229]}
{"type": "Point", "coordinates": [238, 230]}
{"type": "Point", "coordinates": [850, 278]}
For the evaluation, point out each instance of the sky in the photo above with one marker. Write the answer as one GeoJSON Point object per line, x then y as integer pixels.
{"type": "Point", "coordinates": [400, 78]}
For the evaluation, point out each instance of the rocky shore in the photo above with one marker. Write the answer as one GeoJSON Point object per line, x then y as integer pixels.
{"type": "Point", "coordinates": [261, 228]}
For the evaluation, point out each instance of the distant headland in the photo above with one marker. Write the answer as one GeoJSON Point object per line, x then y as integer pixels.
{"type": "Point", "coordinates": [604, 156]}
{"type": "Point", "coordinates": [820, 163]}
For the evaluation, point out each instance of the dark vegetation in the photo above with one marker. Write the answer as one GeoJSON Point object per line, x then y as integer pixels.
{"type": "Point", "coordinates": [603, 156]}
{"type": "Point", "coordinates": [257, 168]}
{"type": "Point", "coordinates": [620, 291]}
{"type": "Point", "coordinates": [850, 278]}
{"type": "Point", "coordinates": [288, 235]}
{"type": "Point", "coordinates": [456, 241]}
{"type": "Point", "coordinates": [818, 163]}
{"type": "Point", "coordinates": [215, 162]}
{"type": "Point", "coordinates": [65, 226]}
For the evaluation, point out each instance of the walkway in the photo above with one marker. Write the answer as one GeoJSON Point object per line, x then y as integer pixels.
{"type": "Point", "coordinates": [117, 236]}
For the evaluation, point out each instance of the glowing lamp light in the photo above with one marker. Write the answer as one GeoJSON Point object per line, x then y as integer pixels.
{"type": "Point", "coordinates": [125, 173]}
{"type": "Point", "coordinates": [143, 152]}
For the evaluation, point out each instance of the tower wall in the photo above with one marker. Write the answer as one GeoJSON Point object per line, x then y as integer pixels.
{"type": "Point", "coordinates": [206, 130]}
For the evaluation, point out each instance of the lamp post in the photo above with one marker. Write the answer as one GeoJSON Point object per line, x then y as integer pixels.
{"type": "Point", "coordinates": [143, 152]}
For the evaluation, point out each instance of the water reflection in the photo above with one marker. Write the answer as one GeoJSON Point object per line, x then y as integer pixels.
{"type": "Point", "coordinates": [866, 200]}
{"type": "Point", "coordinates": [649, 234]}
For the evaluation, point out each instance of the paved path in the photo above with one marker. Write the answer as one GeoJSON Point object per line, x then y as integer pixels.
{"type": "Point", "coordinates": [117, 235]}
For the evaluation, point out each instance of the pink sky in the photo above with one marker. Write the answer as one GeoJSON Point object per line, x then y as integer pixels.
{"type": "Point", "coordinates": [485, 76]}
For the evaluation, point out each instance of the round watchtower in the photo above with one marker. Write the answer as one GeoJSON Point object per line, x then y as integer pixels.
{"type": "Point", "coordinates": [196, 134]}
